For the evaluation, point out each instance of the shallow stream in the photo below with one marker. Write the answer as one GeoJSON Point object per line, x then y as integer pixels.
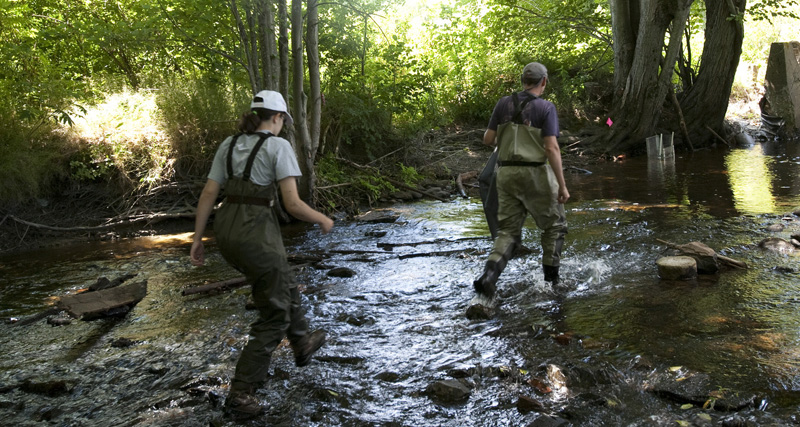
{"type": "Point", "coordinates": [613, 346]}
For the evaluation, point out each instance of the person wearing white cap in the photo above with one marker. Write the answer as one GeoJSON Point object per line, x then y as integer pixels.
{"type": "Point", "coordinates": [530, 178]}
{"type": "Point", "coordinates": [250, 165]}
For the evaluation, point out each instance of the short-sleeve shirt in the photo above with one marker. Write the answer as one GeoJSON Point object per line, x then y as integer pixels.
{"type": "Point", "coordinates": [275, 160]}
{"type": "Point", "coordinates": [538, 113]}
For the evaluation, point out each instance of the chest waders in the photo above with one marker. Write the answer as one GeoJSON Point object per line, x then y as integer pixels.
{"type": "Point", "coordinates": [249, 238]}
{"type": "Point", "coordinates": [526, 185]}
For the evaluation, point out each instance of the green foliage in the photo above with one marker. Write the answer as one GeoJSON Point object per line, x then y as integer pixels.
{"type": "Point", "coordinates": [767, 10]}
{"type": "Point", "coordinates": [341, 187]}
{"type": "Point", "coordinates": [29, 158]}
{"type": "Point", "coordinates": [409, 175]}
{"type": "Point", "coordinates": [357, 126]}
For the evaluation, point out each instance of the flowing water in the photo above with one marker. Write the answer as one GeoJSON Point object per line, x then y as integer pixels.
{"type": "Point", "coordinates": [599, 350]}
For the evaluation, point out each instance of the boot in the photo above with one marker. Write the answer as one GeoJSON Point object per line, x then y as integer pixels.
{"type": "Point", "coordinates": [305, 347]}
{"type": "Point", "coordinates": [551, 274]}
{"type": "Point", "coordinates": [242, 404]}
{"type": "Point", "coordinates": [486, 284]}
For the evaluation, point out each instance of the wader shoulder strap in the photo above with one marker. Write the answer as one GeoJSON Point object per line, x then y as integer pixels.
{"type": "Point", "coordinates": [252, 158]}
{"type": "Point", "coordinates": [230, 154]}
{"type": "Point", "coordinates": [517, 117]}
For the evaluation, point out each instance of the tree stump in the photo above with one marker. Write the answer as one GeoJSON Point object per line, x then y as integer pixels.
{"type": "Point", "coordinates": [677, 267]}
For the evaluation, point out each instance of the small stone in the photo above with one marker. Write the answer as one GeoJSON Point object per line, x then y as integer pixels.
{"type": "Point", "coordinates": [527, 404]}
{"type": "Point", "coordinates": [774, 228]}
{"type": "Point", "coordinates": [341, 272]}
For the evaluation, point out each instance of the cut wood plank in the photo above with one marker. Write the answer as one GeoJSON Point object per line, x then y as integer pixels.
{"type": "Point", "coordinates": [99, 302]}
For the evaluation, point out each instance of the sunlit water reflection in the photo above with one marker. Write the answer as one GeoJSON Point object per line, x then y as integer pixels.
{"type": "Point", "coordinates": [399, 324]}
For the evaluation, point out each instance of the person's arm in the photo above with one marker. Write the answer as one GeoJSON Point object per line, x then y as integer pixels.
{"type": "Point", "coordinates": [553, 154]}
{"type": "Point", "coordinates": [490, 137]}
{"type": "Point", "coordinates": [204, 207]}
{"type": "Point", "coordinates": [298, 208]}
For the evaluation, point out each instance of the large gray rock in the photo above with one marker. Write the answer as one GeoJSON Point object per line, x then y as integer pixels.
{"type": "Point", "coordinates": [782, 83]}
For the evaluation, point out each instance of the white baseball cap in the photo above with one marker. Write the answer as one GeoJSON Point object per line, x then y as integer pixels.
{"type": "Point", "coordinates": [271, 100]}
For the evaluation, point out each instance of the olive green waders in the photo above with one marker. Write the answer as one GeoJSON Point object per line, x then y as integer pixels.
{"type": "Point", "coordinates": [249, 238]}
{"type": "Point", "coordinates": [525, 185]}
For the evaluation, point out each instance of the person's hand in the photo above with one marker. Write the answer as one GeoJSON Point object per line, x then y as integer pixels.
{"type": "Point", "coordinates": [326, 225]}
{"type": "Point", "coordinates": [198, 253]}
{"type": "Point", "coordinates": [563, 195]}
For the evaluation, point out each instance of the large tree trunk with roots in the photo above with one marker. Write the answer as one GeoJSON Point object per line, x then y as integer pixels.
{"type": "Point", "coordinates": [705, 103]}
{"type": "Point", "coordinates": [644, 69]}
{"type": "Point", "coordinates": [643, 65]}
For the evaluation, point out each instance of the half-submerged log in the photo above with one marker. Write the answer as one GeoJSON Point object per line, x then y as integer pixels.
{"type": "Point", "coordinates": [89, 305]}
{"type": "Point", "coordinates": [216, 286]}
{"type": "Point", "coordinates": [705, 256]}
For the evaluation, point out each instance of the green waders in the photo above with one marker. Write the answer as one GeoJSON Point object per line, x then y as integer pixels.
{"type": "Point", "coordinates": [249, 238]}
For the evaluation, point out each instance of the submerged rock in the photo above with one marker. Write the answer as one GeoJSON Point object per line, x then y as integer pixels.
{"type": "Point", "coordinates": [777, 245]}
{"type": "Point", "coordinates": [696, 388]}
{"type": "Point", "coordinates": [775, 228]}
{"type": "Point", "coordinates": [341, 272]}
{"type": "Point", "coordinates": [480, 312]}
{"type": "Point", "coordinates": [527, 404]}
{"type": "Point", "coordinates": [450, 391]}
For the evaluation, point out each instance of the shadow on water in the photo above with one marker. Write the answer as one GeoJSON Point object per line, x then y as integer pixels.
{"type": "Point", "coordinates": [611, 346]}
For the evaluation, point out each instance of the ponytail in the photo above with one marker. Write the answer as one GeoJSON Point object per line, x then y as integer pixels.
{"type": "Point", "coordinates": [251, 120]}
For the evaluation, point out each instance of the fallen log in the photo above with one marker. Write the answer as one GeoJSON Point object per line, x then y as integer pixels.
{"type": "Point", "coordinates": [699, 251]}
{"type": "Point", "coordinates": [221, 286]}
{"type": "Point", "coordinates": [99, 303]}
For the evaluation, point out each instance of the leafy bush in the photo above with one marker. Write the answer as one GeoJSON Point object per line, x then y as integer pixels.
{"type": "Point", "coordinates": [29, 156]}
{"type": "Point", "coordinates": [355, 125]}
{"type": "Point", "coordinates": [120, 141]}
{"type": "Point", "coordinates": [197, 113]}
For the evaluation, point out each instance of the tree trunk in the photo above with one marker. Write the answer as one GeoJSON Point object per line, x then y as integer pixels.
{"type": "Point", "coordinates": [705, 103]}
{"type": "Point", "coordinates": [283, 48]}
{"type": "Point", "coordinates": [644, 74]}
{"type": "Point", "coordinates": [315, 110]}
{"type": "Point", "coordinates": [250, 63]}
{"type": "Point", "coordinates": [266, 32]}
{"type": "Point", "coordinates": [302, 137]}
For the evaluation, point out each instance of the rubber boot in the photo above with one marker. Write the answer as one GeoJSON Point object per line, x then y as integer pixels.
{"type": "Point", "coordinates": [486, 284]}
{"type": "Point", "coordinates": [551, 274]}
{"type": "Point", "coordinates": [305, 347]}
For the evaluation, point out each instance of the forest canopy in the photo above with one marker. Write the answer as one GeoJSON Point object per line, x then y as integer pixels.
{"type": "Point", "coordinates": [140, 92]}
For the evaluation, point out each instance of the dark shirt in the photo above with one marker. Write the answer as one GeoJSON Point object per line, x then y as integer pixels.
{"type": "Point", "coordinates": [539, 113]}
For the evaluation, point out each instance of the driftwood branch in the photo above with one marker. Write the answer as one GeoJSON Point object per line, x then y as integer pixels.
{"type": "Point", "coordinates": [460, 181]}
{"type": "Point", "coordinates": [125, 221]}
{"type": "Point", "coordinates": [680, 116]}
{"type": "Point", "coordinates": [390, 246]}
{"type": "Point", "coordinates": [718, 137]}
{"type": "Point", "coordinates": [438, 253]}
{"type": "Point", "coordinates": [221, 286]}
